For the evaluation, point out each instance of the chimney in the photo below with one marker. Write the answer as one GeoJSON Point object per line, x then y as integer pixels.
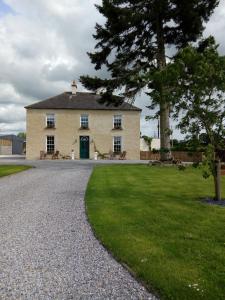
{"type": "Point", "coordinates": [74, 87]}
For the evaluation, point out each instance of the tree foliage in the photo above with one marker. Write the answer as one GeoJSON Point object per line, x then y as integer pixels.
{"type": "Point", "coordinates": [132, 46]}
{"type": "Point", "coordinates": [22, 135]}
{"type": "Point", "coordinates": [197, 92]}
{"type": "Point", "coordinates": [129, 41]}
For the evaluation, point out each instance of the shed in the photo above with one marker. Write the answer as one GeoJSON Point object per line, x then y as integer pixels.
{"type": "Point", "coordinates": [5, 147]}
{"type": "Point", "coordinates": [11, 145]}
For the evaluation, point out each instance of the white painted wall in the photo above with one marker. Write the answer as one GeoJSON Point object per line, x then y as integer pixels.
{"type": "Point", "coordinates": [154, 145]}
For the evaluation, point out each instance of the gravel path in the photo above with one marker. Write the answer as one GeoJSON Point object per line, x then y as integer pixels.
{"type": "Point", "coordinates": [47, 249]}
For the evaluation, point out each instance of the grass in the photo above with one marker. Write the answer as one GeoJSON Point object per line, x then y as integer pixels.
{"type": "Point", "coordinates": [152, 220]}
{"type": "Point", "coordinates": [11, 169]}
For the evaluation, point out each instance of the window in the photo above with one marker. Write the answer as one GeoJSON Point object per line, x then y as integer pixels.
{"type": "Point", "coordinates": [50, 144]}
{"type": "Point", "coordinates": [84, 121]}
{"type": "Point", "coordinates": [50, 121]}
{"type": "Point", "coordinates": [117, 122]}
{"type": "Point", "coordinates": [117, 144]}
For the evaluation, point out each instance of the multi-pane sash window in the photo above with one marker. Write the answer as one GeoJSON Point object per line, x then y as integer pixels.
{"type": "Point", "coordinates": [117, 144]}
{"type": "Point", "coordinates": [117, 122]}
{"type": "Point", "coordinates": [50, 120]}
{"type": "Point", "coordinates": [84, 121]}
{"type": "Point", "coordinates": [50, 144]}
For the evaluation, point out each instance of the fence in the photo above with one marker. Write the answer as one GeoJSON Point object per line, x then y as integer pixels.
{"type": "Point", "coordinates": [5, 142]}
{"type": "Point", "coordinates": [177, 155]}
{"type": "Point", "coordinates": [5, 147]}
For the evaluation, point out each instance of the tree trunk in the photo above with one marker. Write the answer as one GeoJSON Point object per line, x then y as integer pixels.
{"type": "Point", "coordinates": [164, 132]}
{"type": "Point", "coordinates": [164, 107]}
{"type": "Point", "coordinates": [217, 180]}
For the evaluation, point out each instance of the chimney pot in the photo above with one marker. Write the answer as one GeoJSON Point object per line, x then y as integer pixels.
{"type": "Point", "coordinates": [74, 87]}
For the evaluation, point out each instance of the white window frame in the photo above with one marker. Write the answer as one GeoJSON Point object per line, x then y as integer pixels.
{"type": "Point", "coordinates": [121, 144]}
{"type": "Point", "coordinates": [47, 144]}
{"type": "Point", "coordinates": [87, 116]}
{"type": "Point", "coordinates": [121, 118]}
{"type": "Point", "coordinates": [46, 120]}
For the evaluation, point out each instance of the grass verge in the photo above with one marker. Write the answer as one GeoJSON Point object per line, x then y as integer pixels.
{"type": "Point", "coordinates": [12, 169]}
{"type": "Point", "coordinates": [151, 219]}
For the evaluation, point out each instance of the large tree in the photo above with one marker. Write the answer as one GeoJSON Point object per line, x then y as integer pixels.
{"type": "Point", "coordinates": [132, 45]}
{"type": "Point", "coordinates": [196, 82]}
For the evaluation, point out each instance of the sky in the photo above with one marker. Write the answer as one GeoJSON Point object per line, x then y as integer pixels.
{"type": "Point", "coordinates": [43, 46]}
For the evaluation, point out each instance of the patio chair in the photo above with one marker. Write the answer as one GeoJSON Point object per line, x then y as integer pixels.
{"type": "Point", "coordinates": [123, 155]}
{"type": "Point", "coordinates": [43, 155]}
{"type": "Point", "coordinates": [111, 155]}
{"type": "Point", "coordinates": [55, 155]}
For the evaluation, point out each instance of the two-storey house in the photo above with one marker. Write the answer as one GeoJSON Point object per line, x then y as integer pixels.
{"type": "Point", "coordinates": [74, 121]}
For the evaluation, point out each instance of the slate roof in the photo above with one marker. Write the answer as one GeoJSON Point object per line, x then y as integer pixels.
{"type": "Point", "coordinates": [80, 101]}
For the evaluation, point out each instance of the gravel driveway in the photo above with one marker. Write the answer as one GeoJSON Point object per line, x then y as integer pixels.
{"type": "Point", "coordinates": [47, 248]}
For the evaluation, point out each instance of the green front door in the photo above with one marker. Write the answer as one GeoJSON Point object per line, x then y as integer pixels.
{"type": "Point", "coordinates": [84, 147]}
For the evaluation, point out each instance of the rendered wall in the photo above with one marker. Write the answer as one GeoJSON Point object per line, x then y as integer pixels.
{"type": "Point", "coordinates": [67, 132]}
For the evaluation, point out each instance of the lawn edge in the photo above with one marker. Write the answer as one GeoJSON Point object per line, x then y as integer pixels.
{"type": "Point", "coordinates": [148, 288]}
{"type": "Point", "coordinates": [17, 173]}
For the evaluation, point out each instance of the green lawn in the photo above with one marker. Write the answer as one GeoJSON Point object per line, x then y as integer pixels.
{"type": "Point", "coordinates": [11, 169]}
{"type": "Point", "coordinates": [151, 219]}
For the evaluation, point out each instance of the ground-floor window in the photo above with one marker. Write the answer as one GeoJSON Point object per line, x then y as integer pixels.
{"type": "Point", "coordinates": [117, 144]}
{"type": "Point", "coordinates": [50, 144]}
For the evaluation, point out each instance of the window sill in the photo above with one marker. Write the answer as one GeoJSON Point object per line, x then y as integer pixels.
{"type": "Point", "coordinates": [81, 128]}
{"type": "Point", "coordinates": [119, 128]}
{"type": "Point", "coordinates": [50, 127]}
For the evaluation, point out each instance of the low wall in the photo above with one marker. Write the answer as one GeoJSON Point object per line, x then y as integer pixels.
{"type": "Point", "coordinates": [177, 155]}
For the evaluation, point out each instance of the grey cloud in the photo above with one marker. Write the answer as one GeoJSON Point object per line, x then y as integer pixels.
{"type": "Point", "coordinates": [11, 114]}
{"type": "Point", "coordinates": [43, 47]}
{"type": "Point", "coordinates": [15, 127]}
{"type": "Point", "coordinates": [61, 72]}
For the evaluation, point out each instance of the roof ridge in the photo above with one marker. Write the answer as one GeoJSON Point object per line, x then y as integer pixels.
{"type": "Point", "coordinates": [80, 101]}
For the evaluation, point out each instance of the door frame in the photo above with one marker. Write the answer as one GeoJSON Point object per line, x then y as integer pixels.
{"type": "Point", "coordinates": [85, 136]}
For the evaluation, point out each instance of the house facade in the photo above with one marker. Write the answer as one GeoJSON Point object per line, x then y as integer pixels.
{"type": "Point", "coordinates": [77, 122]}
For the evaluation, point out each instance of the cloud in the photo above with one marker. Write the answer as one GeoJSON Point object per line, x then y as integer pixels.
{"type": "Point", "coordinates": [216, 26]}
{"type": "Point", "coordinates": [43, 47]}
{"type": "Point", "coordinates": [11, 114]}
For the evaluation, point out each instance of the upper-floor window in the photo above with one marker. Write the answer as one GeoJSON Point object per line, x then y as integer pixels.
{"type": "Point", "coordinates": [117, 144]}
{"type": "Point", "coordinates": [50, 144]}
{"type": "Point", "coordinates": [117, 122]}
{"type": "Point", "coordinates": [84, 122]}
{"type": "Point", "coordinates": [50, 121]}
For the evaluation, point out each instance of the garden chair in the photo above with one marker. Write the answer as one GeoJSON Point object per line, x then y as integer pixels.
{"type": "Point", "coordinates": [111, 155]}
{"type": "Point", "coordinates": [43, 155]}
{"type": "Point", "coordinates": [55, 155]}
{"type": "Point", "coordinates": [123, 155]}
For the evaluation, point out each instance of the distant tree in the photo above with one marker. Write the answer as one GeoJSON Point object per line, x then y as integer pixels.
{"type": "Point", "coordinates": [132, 46]}
{"type": "Point", "coordinates": [193, 143]}
{"type": "Point", "coordinates": [197, 88]}
{"type": "Point", "coordinates": [22, 135]}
